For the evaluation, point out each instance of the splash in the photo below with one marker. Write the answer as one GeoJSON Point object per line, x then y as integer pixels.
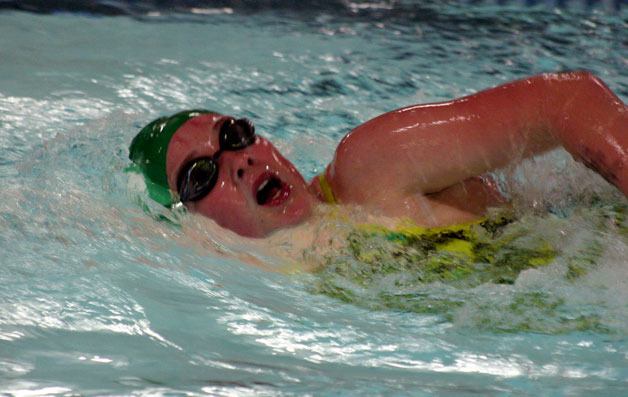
{"type": "Point", "coordinates": [539, 272]}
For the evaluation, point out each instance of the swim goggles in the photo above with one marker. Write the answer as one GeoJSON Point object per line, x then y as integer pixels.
{"type": "Point", "coordinates": [198, 177]}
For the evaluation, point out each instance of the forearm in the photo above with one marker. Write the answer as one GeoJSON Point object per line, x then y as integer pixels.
{"type": "Point", "coordinates": [592, 124]}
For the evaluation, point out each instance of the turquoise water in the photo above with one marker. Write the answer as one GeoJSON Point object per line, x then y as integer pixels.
{"type": "Point", "coordinates": [97, 298]}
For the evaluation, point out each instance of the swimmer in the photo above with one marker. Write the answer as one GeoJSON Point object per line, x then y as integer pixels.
{"type": "Point", "coordinates": [423, 163]}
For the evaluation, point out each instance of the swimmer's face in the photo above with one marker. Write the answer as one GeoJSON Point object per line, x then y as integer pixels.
{"type": "Point", "coordinates": [256, 190]}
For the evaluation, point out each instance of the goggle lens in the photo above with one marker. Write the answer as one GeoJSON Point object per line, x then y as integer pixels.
{"type": "Point", "coordinates": [197, 180]}
{"type": "Point", "coordinates": [199, 176]}
{"type": "Point", "coordinates": [236, 134]}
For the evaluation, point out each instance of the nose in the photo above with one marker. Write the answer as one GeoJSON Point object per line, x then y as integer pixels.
{"type": "Point", "coordinates": [238, 162]}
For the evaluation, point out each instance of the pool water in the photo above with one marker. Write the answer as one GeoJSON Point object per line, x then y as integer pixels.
{"type": "Point", "coordinates": [99, 298]}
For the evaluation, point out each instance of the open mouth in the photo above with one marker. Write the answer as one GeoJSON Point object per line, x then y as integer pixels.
{"type": "Point", "coordinates": [270, 191]}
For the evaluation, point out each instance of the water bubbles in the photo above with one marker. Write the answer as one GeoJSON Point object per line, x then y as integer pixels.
{"type": "Point", "coordinates": [107, 292]}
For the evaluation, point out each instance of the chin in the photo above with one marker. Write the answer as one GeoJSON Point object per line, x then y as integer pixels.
{"type": "Point", "coordinates": [278, 203]}
{"type": "Point", "coordinates": [290, 216]}
{"type": "Point", "coordinates": [260, 221]}
{"type": "Point", "coordinates": [270, 219]}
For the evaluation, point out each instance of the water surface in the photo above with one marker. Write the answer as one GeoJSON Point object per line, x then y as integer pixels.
{"type": "Point", "coordinates": [99, 298]}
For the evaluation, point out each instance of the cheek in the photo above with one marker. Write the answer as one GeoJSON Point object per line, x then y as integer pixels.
{"type": "Point", "coordinates": [229, 210]}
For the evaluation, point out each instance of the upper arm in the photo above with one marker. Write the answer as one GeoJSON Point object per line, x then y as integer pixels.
{"type": "Point", "coordinates": [426, 148]}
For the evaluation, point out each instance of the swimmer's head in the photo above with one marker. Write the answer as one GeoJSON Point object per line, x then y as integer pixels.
{"type": "Point", "coordinates": [149, 150]}
{"type": "Point", "coordinates": [216, 165]}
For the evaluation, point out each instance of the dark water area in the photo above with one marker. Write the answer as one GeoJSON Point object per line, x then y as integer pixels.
{"type": "Point", "coordinates": [410, 10]}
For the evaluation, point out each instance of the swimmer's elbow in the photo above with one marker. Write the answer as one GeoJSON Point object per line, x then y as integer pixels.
{"type": "Point", "coordinates": [571, 86]}
{"type": "Point", "coordinates": [573, 76]}
{"type": "Point", "coordinates": [579, 99]}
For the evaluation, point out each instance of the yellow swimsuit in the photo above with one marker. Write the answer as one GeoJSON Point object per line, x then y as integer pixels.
{"type": "Point", "coordinates": [467, 242]}
{"type": "Point", "coordinates": [436, 270]}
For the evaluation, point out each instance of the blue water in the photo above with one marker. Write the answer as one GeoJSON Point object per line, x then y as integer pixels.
{"type": "Point", "coordinates": [98, 298]}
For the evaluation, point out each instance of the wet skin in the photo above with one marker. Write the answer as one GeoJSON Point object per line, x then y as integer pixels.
{"type": "Point", "coordinates": [233, 202]}
{"type": "Point", "coordinates": [421, 162]}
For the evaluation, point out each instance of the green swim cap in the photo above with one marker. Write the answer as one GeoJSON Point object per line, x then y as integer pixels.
{"type": "Point", "coordinates": [149, 148]}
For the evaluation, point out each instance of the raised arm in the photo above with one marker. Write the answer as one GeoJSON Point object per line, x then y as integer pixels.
{"type": "Point", "coordinates": [427, 148]}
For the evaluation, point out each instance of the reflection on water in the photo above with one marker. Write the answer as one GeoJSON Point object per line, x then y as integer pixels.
{"type": "Point", "coordinates": [99, 297]}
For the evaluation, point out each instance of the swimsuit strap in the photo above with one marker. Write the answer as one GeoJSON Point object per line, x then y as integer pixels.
{"type": "Point", "coordinates": [327, 193]}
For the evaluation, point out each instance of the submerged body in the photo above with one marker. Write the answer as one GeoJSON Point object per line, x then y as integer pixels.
{"type": "Point", "coordinates": [422, 163]}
